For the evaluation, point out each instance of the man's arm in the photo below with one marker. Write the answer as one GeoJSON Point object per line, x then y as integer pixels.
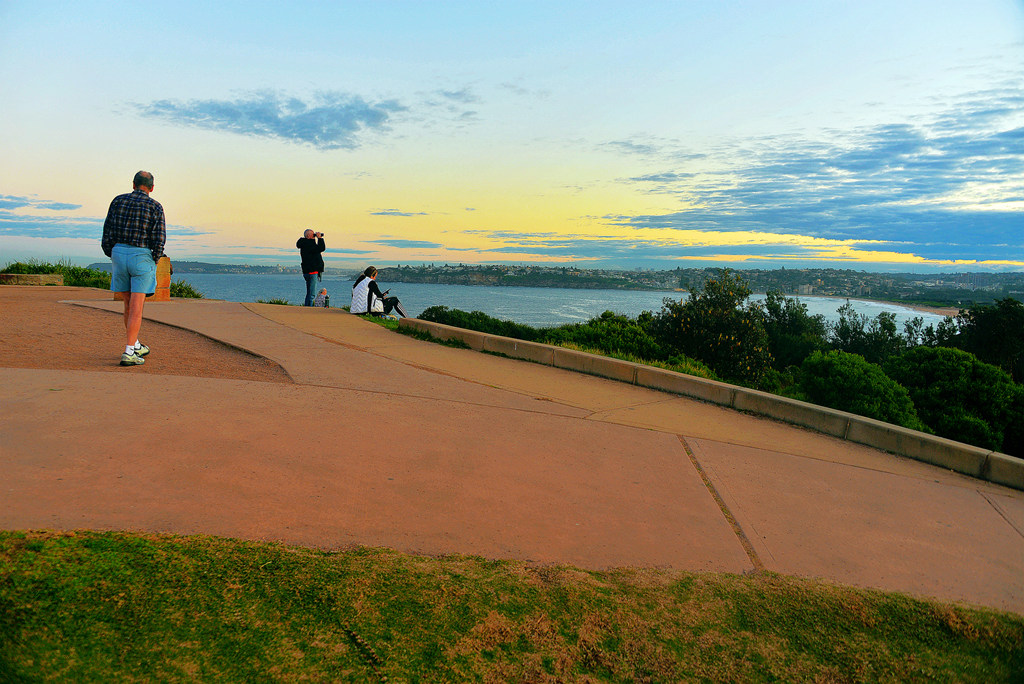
{"type": "Point", "coordinates": [321, 244]}
{"type": "Point", "coordinates": [107, 243]}
{"type": "Point", "coordinates": [158, 236]}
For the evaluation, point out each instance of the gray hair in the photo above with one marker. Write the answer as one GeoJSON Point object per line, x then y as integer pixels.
{"type": "Point", "coordinates": [143, 179]}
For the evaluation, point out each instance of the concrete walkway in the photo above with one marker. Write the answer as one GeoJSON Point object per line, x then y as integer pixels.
{"type": "Point", "coordinates": [386, 440]}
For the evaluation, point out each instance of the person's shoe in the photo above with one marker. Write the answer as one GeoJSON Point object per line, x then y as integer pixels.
{"type": "Point", "coordinates": [142, 349]}
{"type": "Point", "coordinates": [132, 359]}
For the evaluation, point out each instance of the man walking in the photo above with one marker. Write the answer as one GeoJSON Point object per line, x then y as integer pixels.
{"type": "Point", "coordinates": [133, 237]}
{"type": "Point", "coordinates": [311, 246]}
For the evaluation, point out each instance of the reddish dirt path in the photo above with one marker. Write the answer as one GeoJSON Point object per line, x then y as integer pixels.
{"type": "Point", "coordinates": [40, 332]}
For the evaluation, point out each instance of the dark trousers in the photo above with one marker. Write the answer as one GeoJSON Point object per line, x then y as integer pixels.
{"type": "Point", "coordinates": [392, 304]}
{"type": "Point", "coordinates": [311, 280]}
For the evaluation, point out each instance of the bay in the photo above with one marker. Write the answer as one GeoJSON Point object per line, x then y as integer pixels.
{"type": "Point", "coordinates": [535, 306]}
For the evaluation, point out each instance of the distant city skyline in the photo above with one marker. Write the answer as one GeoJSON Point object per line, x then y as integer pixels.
{"type": "Point", "coordinates": [743, 134]}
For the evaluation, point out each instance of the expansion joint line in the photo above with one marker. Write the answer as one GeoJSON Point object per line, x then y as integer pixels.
{"type": "Point", "coordinates": [755, 560]}
{"type": "Point", "coordinates": [997, 509]}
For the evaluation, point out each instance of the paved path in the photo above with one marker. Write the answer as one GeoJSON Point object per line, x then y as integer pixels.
{"type": "Point", "coordinates": [386, 440]}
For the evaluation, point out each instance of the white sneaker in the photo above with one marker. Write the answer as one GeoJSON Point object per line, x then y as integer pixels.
{"type": "Point", "coordinates": [132, 359]}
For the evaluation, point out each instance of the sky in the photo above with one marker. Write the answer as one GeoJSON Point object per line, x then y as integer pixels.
{"type": "Point", "coordinates": [872, 135]}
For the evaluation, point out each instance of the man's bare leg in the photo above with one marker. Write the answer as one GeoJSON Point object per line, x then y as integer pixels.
{"type": "Point", "coordinates": [133, 304]}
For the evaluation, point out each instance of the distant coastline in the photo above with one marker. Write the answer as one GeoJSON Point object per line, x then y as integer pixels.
{"type": "Point", "coordinates": [941, 294]}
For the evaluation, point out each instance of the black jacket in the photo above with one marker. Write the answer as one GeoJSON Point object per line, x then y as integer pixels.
{"type": "Point", "coordinates": [310, 250]}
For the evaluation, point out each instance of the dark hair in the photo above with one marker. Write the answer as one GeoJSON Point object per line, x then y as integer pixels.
{"type": "Point", "coordinates": [370, 271]}
{"type": "Point", "coordinates": [143, 178]}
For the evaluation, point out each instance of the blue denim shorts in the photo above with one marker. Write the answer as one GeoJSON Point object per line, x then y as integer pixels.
{"type": "Point", "coordinates": [133, 269]}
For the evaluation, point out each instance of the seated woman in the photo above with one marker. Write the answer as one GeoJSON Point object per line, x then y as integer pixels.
{"type": "Point", "coordinates": [367, 297]}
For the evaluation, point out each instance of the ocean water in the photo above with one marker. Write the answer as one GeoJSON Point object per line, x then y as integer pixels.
{"type": "Point", "coordinates": [535, 306]}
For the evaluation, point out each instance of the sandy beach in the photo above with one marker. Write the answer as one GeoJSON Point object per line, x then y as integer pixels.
{"type": "Point", "coordinates": [939, 311]}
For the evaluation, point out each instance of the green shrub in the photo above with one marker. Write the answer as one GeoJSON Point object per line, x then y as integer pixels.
{"type": "Point", "coordinates": [422, 334]}
{"type": "Point", "coordinates": [677, 364]}
{"type": "Point", "coordinates": [849, 383]}
{"type": "Point", "coordinates": [180, 288]}
{"type": "Point", "coordinates": [609, 333]}
{"type": "Point", "coordinates": [74, 276]}
{"type": "Point", "coordinates": [479, 321]}
{"type": "Point", "coordinates": [957, 395]}
{"type": "Point", "coordinates": [275, 300]}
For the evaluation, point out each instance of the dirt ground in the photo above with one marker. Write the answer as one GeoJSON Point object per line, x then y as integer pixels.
{"type": "Point", "coordinates": [38, 331]}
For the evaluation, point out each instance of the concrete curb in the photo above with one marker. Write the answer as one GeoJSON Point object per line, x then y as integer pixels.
{"type": "Point", "coordinates": [963, 458]}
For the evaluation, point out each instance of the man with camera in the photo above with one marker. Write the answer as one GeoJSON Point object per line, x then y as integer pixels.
{"type": "Point", "coordinates": [311, 246]}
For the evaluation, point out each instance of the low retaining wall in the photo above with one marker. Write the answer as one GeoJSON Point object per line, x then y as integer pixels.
{"type": "Point", "coordinates": [946, 453]}
{"type": "Point", "coordinates": [31, 279]}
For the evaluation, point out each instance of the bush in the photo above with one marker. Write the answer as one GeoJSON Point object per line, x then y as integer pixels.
{"type": "Point", "coordinates": [479, 321]}
{"type": "Point", "coordinates": [847, 382]}
{"type": "Point", "coordinates": [180, 288]}
{"type": "Point", "coordinates": [74, 276]}
{"type": "Point", "coordinates": [957, 395]}
{"type": "Point", "coordinates": [609, 333]}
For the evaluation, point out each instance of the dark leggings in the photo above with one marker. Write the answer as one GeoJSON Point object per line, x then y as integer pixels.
{"type": "Point", "coordinates": [392, 304]}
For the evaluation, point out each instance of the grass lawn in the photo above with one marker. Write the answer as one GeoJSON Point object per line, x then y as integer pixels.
{"type": "Point", "coordinates": [110, 606]}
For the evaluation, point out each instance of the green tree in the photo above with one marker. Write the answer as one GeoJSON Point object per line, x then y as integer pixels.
{"type": "Point", "coordinates": [717, 326]}
{"type": "Point", "coordinates": [875, 339]}
{"type": "Point", "coordinates": [848, 382]}
{"type": "Point", "coordinates": [793, 334]}
{"type": "Point", "coordinates": [957, 395]}
{"type": "Point", "coordinates": [1013, 438]}
{"type": "Point", "coordinates": [995, 334]}
{"type": "Point", "coordinates": [942, 335]}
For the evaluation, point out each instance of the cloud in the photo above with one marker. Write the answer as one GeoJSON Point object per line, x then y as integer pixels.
{"type": "Point", "coordinates": [587, 248]}
{"type": "Point", "coordinates": [632, 147]}
{"type": "Point", "coordinates": [330, 121]}
{"type": "Point", "coordinates": [287, 257]}
{"type": "Point", "coordinates": [13, 202]}
{"type": "Point", "coordinates": [50, 226]}
{"type": "Point", "coordinates": [948, 187]}
{"type": "Point", "coordinates": [33, 225]}
{"type": "Point", "coordinates": [448, 105]}
{"type": "Point", "coordinates": [462, 96]}
{"type": "Point", "coordinates": [8, 202]}
{"type": "Point", "coordinates": [396, 212]}
{"type": "Point", "coordinates": [59, 206]}
{"type": "Point", "coordinates": [407, 244]}
{"type": "Point", "coordinates": [27, 223]}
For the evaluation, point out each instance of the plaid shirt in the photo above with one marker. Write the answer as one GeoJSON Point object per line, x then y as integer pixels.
{"type": "Point", "coordinates": [135, 219]}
